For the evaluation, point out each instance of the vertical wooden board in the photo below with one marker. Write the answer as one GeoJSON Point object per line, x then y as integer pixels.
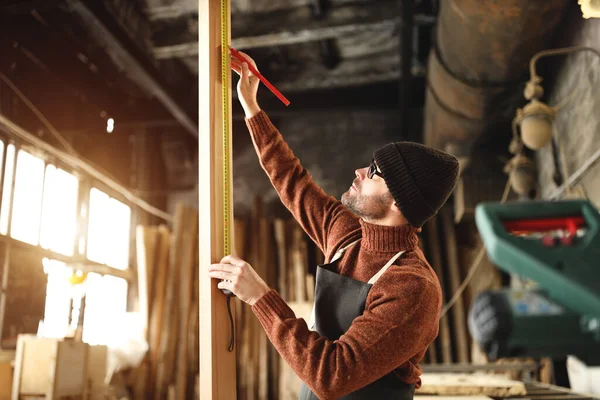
{"type": "Point", "coordinates": [96, 371]}
{"type": "Point", "coordinates": [145, 244]}
{"type": "Point", "coordinates": [71, 363]}
{"type": "Point", "coordinates": [458, 310]}
{"type": "Point", "coordinates": [169, 327]}
{"type": "Point", "coordinates": [186, 286]}
{"type": "Point", "coordinates": [38, 352]}
{"type": "Point", "coordinates": [299, 264]}
{"type": "Point", "coordinates": [217, 364]}
{"type": "Point", "coordinates": [433, 242]}
{"type": "Point", "coordinates": [158, 304]}
{"type": "Point", "coordinates": [264, 268]}
{"type": "Point", "coordinates": [241, 333]}
{"type": "Point", "coordinates": [282, 265]}
{"type": "Point", "coordinates": [5, 380]}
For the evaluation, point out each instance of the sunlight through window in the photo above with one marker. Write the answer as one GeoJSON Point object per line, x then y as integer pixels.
{"type": "Point", "coordinates": [58, 299]}
{"type": "Point", "coordinates": [59, 211]}
{"type": "Point", "coordinates": [27, 207]}
{"type": "Point", "coordinates": [106, 303]}
{"type": "Point", "coordinates": [7, 189]}
{"type": "Point", "coordinates": [108, 230]}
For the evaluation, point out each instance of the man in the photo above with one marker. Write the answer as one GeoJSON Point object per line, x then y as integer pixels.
{"type": "Point", "coordinates": [377, 301]}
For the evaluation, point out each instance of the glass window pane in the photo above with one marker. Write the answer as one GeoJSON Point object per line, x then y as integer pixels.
{"type": "Point", "coordinates": [120, 238]}
{"type": "Point", "coordinates": [105, 307]}
{"type": "Point", "coordinates": [98, 225]}
{"type": "Point", "coordinates": [1, 154]}
{"type": "Point", "coordinates": [59, 211]}
{"type": "Point", "coordinates": [58, 299]}
{"type": "Point", "coordinates": [7, 189]}
{"type": "Point", "coordinates": [27, 207]}
{"type": "Point", "coordinates": [108, 230]}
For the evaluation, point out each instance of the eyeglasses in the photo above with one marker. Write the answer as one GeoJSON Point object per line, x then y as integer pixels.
{"type": "Point", "coordinates": [373, 170]}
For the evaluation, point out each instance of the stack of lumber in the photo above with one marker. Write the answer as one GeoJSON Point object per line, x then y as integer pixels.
{"type": "Point", "coordinates": [167, 264]}
{"type": "Point", "coordinates": [281, 254]}
{"type": "Point", "coordinates": [451, 384]}
{"type": "Point", "coordinates": [451, 262]}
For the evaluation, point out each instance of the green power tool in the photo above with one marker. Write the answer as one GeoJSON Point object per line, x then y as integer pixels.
{"type": "Point", "coordinates": [557, 246]}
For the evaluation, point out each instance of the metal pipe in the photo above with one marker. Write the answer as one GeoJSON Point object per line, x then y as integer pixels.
{"type": "Point", "coordinates": [556, 52]}
{"type": "Point", "coordinates": [478, 65]}
{"type": "Point", "coordinates": [406, 60]}
{"type": "Point", "coordinates": [576, 176]}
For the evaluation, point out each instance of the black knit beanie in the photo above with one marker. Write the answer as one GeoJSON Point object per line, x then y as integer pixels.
{"type": "Point", "coordinates": [419, 177]}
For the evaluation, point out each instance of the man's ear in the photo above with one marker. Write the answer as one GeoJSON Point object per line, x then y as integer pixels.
{"type": "Point", "coordinates": [395, 207]}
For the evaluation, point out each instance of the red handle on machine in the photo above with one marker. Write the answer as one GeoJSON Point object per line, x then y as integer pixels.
{"type": "Point", "coordinates": [570, 224]}
{"type": "Point", "coordinates": [264, 80]}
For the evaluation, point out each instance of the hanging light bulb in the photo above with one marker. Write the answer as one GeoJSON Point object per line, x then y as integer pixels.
{"type": "Point", "coordinates": [536, 118]}
{"type": "Point", "coordinates": [521, 171]}
{"type": "Point", "coordinates": [536, 124]}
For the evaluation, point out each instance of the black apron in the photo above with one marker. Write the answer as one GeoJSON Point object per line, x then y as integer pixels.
{"type": "Point", "coordinates": [338, 301]}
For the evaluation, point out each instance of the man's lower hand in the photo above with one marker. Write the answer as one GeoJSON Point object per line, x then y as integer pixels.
{"type": "Point", "coordinates": [240, 278]}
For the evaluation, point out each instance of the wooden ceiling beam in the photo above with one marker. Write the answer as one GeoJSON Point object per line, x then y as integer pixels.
{"type": "Point", "coordinates": [177, 38]}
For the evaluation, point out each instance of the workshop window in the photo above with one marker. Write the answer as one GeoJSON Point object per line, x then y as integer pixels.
{"type": "Point", "coordinates": [27, 200]}
{"type": "Point", "coordinates": [105, 305]}
{"type": "Point", "coordinates": [108, 230]}
{"type": "Point", "coordinates": [59, 292]}
{"type": "Point", "coordinates": [59, 211]}
{"type": "Point", "coordinates": [105, 309]}
{"type": "Point", "coordinates": [7, 189]}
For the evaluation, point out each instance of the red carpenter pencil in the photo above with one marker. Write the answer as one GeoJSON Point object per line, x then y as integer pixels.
{"type": "Point", "coordinates": [264, 80]}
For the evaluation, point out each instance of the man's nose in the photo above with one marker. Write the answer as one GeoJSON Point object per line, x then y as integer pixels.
{"type": "Point", "coordinates": [361, 173]}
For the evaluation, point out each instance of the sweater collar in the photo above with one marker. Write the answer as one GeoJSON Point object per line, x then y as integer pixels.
{"type": "Point", "coordinates": [388, 238]}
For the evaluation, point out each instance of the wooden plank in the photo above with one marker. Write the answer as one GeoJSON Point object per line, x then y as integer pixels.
{"type": "Point", "coordinates": [5, 380]}
{"type": "Point", "coordinates": [282, 265]}
{"type": "Point", "coordinates": [145, 252]}
{"type": "Point", "coordinates": [170, 325]}
{"type": "Point", "coordinates": [298, 253]}
{"type": "Point", "coordinates": [49, 367]}
{"type": "Point", "coordinates": [97, 361]}
{"type": "Point", "coordinates": [189, 218]}
{"type": "Point", "coordinates": [70, 374]}
{"type": "Point", "coordinates": [217, 364]}
{"type": "Point", "coordinates": [449, 384]}
{"type": "Point", "coordinates": [433, 243]}
{"type": "Point", "coordinates": [241, 344]}
{"type": "Point", "coordinates": [158, 304]}
{"type": "Point", "coordinates": [38, 352]}
{"type": "Point", "coordinates": [458, 310]}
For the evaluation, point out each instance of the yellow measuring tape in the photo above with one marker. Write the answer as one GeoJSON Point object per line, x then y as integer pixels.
{"type": "Point", "coordinates": [227, 209]}
{"type": "Point", "coordinates": [225, 76]}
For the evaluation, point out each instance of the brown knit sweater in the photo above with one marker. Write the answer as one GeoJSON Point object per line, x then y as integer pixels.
{"type": "Point", "coordinates": [402, 309]}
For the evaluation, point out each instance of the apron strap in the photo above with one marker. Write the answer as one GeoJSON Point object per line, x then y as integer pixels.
{"type": "Point", "coordinates": [385, 267]}
{"type": "Point", "coordinates": [341, 251]}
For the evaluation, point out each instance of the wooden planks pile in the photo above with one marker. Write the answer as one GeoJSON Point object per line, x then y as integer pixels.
{"type": "Point", "coordinates": [168, 293]}
{"type": "Point", "coordinates": [451, 262]}
{"type": "Point", "coordinates": [281, 254]}
{"type": "Point", "coordinates": [451, 384]}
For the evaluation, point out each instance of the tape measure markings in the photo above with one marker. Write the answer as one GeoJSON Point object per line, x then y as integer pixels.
{"type": "Point", "coordinates": [225, 108]}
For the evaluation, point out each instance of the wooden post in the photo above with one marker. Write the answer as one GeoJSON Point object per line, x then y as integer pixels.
{"type": "Point", "coordinates": [433, 242]}
{"type": "Point", "coordinates": [458, 310]}
{"type": "Point", "coordinates": [217, 364]}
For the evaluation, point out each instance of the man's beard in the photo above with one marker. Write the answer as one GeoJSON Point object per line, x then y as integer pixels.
{"type": "Point", "coordinates": [367, 207]}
